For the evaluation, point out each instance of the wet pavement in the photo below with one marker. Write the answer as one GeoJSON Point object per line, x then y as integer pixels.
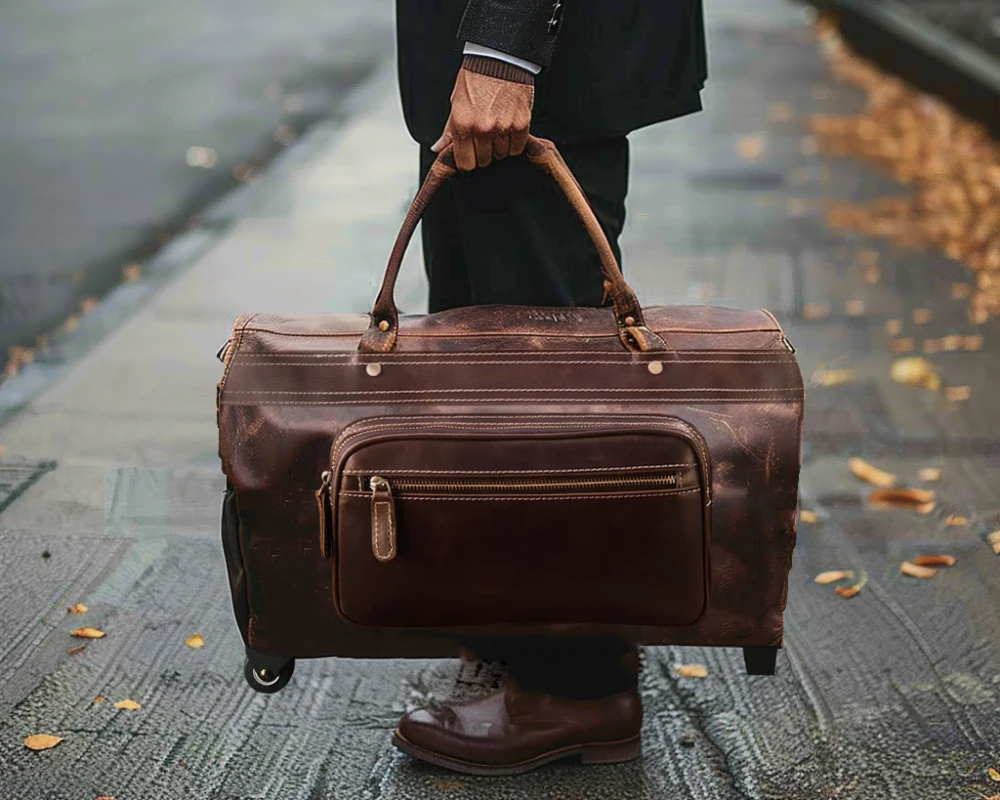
{"type": "Point", "coordinates": [102, 102]}
{"type": "Point", "coordinates": [892, 693]}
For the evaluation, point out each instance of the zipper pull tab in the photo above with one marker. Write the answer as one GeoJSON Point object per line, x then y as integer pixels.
{"type": "Point", "coordinates": [323, 501]}
{"type": "Point", "coordinates": [383, 520]}
{"type": "Point", "coordinates": [223, 351]}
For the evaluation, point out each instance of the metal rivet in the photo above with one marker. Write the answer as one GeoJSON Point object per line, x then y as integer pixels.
{"type": "Point", "coordinates": [656, 367]}
{"type": "Point", "coordinates": [383, 325]}
{"type": "Point", "coordinates": [373, 369]}
{"type": "Point", "coordinates": [630, 320]}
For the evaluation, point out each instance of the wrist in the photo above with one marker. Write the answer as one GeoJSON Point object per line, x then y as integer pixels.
{"type": "Point", "coordinates": [495, 68]}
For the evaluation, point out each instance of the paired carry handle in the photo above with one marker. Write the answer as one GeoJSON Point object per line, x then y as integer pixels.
{"type": "Point", "coordinates": [380, 337]}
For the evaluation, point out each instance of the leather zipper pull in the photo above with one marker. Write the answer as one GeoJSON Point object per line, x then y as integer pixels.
{"type": "Point", "coordinates": [383, 520]}
{"type": "Point", "coordinates": [323, 501]}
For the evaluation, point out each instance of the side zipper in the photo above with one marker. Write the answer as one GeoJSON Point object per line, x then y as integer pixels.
{"type": "Point", "coordinates": [323, 501]}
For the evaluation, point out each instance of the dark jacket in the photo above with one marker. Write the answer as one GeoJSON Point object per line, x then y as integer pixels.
{"type": "Point", "coordinates": [609, 66]}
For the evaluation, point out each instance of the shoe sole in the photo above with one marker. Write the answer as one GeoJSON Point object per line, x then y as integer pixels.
{"type": "Point", "coordinates": [600, 753]}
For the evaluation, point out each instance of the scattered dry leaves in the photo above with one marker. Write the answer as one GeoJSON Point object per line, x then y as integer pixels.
{"type": "Point", "coordinates": [902, 345]}
{"type": "Point", "coordinates": [916, 571]}
{"type": "Point", "coordinates": [934, 561]}
{"type": "Point", "coordinates": [132, 272]}
{"type": "Point", "coordinates": [958, 394]}
{"type": "Point", "coordinates": [78, 608]}
{"type": "Point", "coordinates": [994, 540]}
{"type": "Point", "coordinates": [692, 671]}
{"type": "Point", "coordinates": [808, 517]}
{"type": "Point", "coordinates": [915, 498]}
{"type": "Point", "coordinates": [894, 327]}
{"type": "Point", "coordinates": [128, 705]}
{"type": "Point", "coordinates": [750, 147]}
{"type": "Point", "coordinates": [73, 651]}
{"type": "Point", "coordinates": [994, 774]}
{"type": "Point", "coordinates": [921, 316]}
{"type": "Point", "coordinates": [88, 633]}
{"type": "Point", "coordinates": [930, 474]}
{"type": "Point", "coordinates": [98, 700]}
{"type": "Point", "coordinates": [42, 741]}
{"type": "Point", "coordinates": [956, 519]}
{"type": "Point", "coordinates": [974, 342]}
{"type": "Point", "coordinates": [195, 641]}
{"type": "Point", "coordinates": [833, 576]}
{"type": "Point", "coordinates": [848, 591]}
{"type": "Point", "coordinates": [816, 310]}
{"type": "Point", "coordinates": [833, 377]}
{"type": "Point", "coordinates": [866, 472]}
{"type": "Point", "coordinates": [915, 371]}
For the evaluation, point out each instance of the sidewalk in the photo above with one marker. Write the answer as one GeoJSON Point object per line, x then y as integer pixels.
{"type": "Point", "coordinates": [890, 694]}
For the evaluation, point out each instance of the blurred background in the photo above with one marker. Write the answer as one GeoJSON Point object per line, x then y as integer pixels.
{"type": "Point", "coordinates": [122, 120]}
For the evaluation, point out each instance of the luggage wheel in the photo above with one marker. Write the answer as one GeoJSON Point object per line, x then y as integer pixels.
{"type": "Point", "coordinates": [267, 674]}
{"type": "Point", "coordinates": [760, 660]}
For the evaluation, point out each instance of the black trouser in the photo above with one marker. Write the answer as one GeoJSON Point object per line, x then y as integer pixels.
{"type": "Point", "coordinates": [507, 234]}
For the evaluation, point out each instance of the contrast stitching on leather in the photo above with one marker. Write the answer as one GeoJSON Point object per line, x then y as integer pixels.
{"type": "Point", "coordinates": [459, 401]}
{"type": "Point", "coordinates": [511, 362]}
{"type": "Point", "coordinates": [507, 498]}
{"type": "Point", "coordinates": [465, 335]}
{"type": "Point", "coordinates": [672, 423]}
{"type": "Point", "coordinates": [380, 529]}
{"type": "Point", "coordinates": [782, 354]}
{"type": "Point", "coordinates": [511, 471]}
{"type": "Point", "coordinates": [624, 390]}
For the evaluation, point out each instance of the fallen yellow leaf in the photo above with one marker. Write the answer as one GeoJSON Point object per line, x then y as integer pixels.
{"type": "Point", "coordinates": [901, 497]}
{"type": "Point", "coordinates": [833, 377]}
{"type": "Point", "coordinates": [692, 671]}
{"type": "Point", "coordinates": [929, 474]}
{"type": "Point", "coordinates": [958, 393]}
{"type": "Point", "coordinates": [994, 540]}
{"type": "Point", "coordinates": [78, 608]}
{"type": "Point", "coordinates": [74, 651]}
{"type": "Point", "coordinates": [915, 571]}
{"type": "Point", "coordinates": [848, 591]}
{"type": "Point", "coordinates": [915, 371]}
{"type": "Point", "coordinates": [866, 472]}
{"type": "Point", "coordinates": [833, 576]}
{"type": "Point", "coordinates": [98, 700]}
{"type": "Point", "coordinates": [808, 517]}
{"type": "Point", "coordinates": [816, 310]}
{"type": "Point", "coordinates": [750, 147]}
{"type": "Point", "coordinates": [994, 775]}
{"type": "Point", "coordinates": [88, 633]}
{"type": "Point", "coordinates": [41, 741]}
{"type": "Point", "coordinates": [129, 705]}
{"type": "Point", "coordinates": [925, 508]}
{"type": "Point", "coordinates": [195, 641]}
{"type": "Point", "coordinates": [934, 561]}
{"type": "Point", "coordinates": [956, 520]}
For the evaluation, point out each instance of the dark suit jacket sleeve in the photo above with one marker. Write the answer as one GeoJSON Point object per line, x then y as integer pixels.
{"type": "Point", "coordinates": [518, 27]}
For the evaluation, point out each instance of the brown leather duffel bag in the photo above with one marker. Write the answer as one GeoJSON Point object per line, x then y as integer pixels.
{"type": "Point", "coordinates": [398, 482]}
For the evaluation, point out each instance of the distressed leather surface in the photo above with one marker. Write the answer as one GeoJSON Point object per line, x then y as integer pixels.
{"type": "Point", "coordinates": [291, 384]}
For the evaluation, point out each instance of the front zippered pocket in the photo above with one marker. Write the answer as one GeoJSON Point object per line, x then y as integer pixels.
{"type": "Point", "coordinates": [526, 519]}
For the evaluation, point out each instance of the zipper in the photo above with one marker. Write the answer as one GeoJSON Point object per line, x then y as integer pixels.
{"type": "Point", "coordinates": [383, 501]}
{"type": "Point", "coordinates": [652, 481]}
{"type": "Point", "coordinates": [384, 504]}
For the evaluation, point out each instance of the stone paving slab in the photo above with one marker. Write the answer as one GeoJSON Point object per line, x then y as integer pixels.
{"type": "Point", "coordinates": [891, 694]}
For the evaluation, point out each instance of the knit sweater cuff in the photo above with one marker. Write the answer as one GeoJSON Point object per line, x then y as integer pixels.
{"type": "Point", "coordinates": [495, 68]}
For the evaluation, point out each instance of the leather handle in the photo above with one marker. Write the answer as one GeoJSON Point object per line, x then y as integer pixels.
{"type": "Point", "coordinates": [383, 327]}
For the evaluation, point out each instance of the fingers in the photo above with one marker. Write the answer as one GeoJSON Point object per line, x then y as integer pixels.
{"type": "Point", "coordinates": [441, 143]}
{"type": "Point", "coordinates": [465, 153]}
{"type": "Point", "coordinates": [484, 150]}
{"type": "Point", "coordinates": [501, 146]}
{"type": "Point", "coordinates": [518, 141]}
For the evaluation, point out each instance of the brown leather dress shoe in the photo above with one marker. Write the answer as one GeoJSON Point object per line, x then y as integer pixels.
{"type": "Point", "coordinates": [514, 731]}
